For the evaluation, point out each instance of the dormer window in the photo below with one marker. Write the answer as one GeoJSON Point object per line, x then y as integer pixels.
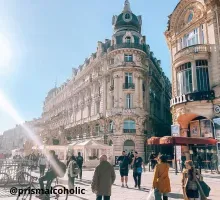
{"type": "Point", "coordinates": [128, 40]}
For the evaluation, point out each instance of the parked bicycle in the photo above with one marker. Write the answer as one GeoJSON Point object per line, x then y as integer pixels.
{"type": "Point", "coordinates": [18, 174]}
{"type": "Point", "coordinates": [55, 187]}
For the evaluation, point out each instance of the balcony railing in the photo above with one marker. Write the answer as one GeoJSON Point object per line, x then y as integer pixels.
{"type": "Point", "coordinates": [128, 86]}
{"type": "Point", "coordinates": [199, 48]}
{"type": "Point", "coordinates": [129, 130]}
{"type": "Point", "coordinates": [126, 45]}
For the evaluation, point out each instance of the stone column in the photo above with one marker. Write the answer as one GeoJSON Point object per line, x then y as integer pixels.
{"type": "Point", "coordinates": [194, 77]}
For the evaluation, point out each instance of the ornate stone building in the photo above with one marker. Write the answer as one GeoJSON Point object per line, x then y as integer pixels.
{"type": "Point", "coordinates": [119, 96]}
{"type": "Point", "coordinates": [193, 37]}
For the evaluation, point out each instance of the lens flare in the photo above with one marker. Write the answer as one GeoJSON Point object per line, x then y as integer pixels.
{"type": "Point", "coordinates": [8, 108]}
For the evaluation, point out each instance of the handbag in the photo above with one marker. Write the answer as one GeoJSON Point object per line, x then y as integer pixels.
{"type": "Point", "coordinates": [205, 188]}
{"type": "Point", "coordinates": [151, 195]}
{"type": "Point", "coordinates": [139, 170]}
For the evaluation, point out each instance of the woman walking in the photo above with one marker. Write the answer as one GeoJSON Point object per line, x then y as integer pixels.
{"type": "Point", "coordinates": [161, 181]}
{"type": "Point", "coordinates": [72, 171]}
{"type": "Point", "coordinates": [190, 183]}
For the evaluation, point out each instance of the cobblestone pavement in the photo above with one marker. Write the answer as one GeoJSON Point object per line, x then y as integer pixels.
{"type": "Point", "coordinates": [118, 193]}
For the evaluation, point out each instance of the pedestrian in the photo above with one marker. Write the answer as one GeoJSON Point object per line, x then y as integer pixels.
{"type": "Point", "coordinates": [123, 166]}
{"type": "Point", "coordinates": [103, 179]}
{"type": "Point", "coordinates": [42, 164]}
{"type": "Point", "coordinates": [199, 162]}
{"type": "Point", "coordinates": [131, 156]}
{"type": "Point", "coordinates": [79, 161]}
{"type": "Point", "coordinates": [137, 169]}
{"type": "Point", "coordinates": [183, 160]}
{"type": "Point", "coordinates": [190, 184]}
{"type": "Point", "coordinates": [55, 169]}
{"type": "Point", "coordinates": [215, 162]}
{"type": "Point", "coordinates": [161, 180]}
{"type": "Point", "coordinates": [72, 171]}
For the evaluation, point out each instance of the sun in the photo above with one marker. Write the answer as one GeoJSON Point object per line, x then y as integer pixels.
{"type": "Point", "coordinates": [5, 53]}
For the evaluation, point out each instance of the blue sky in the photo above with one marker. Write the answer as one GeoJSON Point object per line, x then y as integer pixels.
{"type": "Point", "coordinates": [42, 40]}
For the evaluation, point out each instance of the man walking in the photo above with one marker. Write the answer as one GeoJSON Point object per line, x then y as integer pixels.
{"type": "Point", "coordinates": [42, 164]}
{"type": "Point", "coordinates": [79, 161]}
{"type": "Point", "coordinates": [123, 164]}
{"type": "Point", "coordinates": [103, 179]}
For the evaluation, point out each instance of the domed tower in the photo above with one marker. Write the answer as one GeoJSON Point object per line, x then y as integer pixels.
{"type": "Point", "coordinates": [127, 66]}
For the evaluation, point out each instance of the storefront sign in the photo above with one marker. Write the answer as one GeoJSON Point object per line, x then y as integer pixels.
{"type": "Point", "coordinates": [206, 128]}
{"type": "Point", "coordinates": [175, 130]}
{"type": "Point", "coordinates": [217, 128]}
{"type": "Point", "coordinates": [195, 129]}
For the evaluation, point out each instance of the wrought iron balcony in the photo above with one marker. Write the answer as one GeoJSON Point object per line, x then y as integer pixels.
{"type": "Point", "coordinates": [129, 130]}
{"type": "Point", "coordinates": [199, 48]}
{"type": "Point", "coordinates": [126, 45]}
{"type": "Point", "coordinates": [128, 86]}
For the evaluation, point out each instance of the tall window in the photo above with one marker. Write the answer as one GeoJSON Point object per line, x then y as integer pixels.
{"type": "Point", "coordinates": [128, 101]}
{"type": "Point", "coordinates": [97, 107]}
{"type": "Point", "coordinates": [128, 58]}
{"type": "Point", "coordinates": [97, 129]}
{"type": "Point", "coordinates": [184, 79]}
{"type": "Point", "coordinates": [202, 75]}
{"type": "Point", "coordinates": [113, 101]}
{"type": "Point", "coordinates": [89, 111]}
{"type": "Point", "coordinates": [128, 78]}
{"type": "Point", "coordinates": [111, 127]}
{"type": "Point", "coordinates": [129, 126]}
{"type": "Point", "coordinates": [191, 38]}
{"type": "Point", "coordinates": [128, 40]}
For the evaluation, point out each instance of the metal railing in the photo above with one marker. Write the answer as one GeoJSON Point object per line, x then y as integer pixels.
{"type": "Point", "coordinates": [129, 130]}
{"type": "Point", "coordinates": [128, 86]}
{"type": "Point", "coordinates": [126, 45]}
{"type": "Point", "coordinates": [192, 49]}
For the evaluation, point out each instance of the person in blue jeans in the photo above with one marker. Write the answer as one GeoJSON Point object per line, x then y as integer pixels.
{"type": "Point", "coordinates": [137, 164]}
{"type": "Point", "coordinates": [103, 179]}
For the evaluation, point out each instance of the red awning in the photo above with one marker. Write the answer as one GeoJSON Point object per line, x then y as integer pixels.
{"type": "Point", "coordinates": [168, 140]}
{"type": "Point", "coordinates": [153, 141]}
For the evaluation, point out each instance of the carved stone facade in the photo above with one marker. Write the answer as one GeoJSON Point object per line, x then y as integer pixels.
{"type": "Point", "coordinates": [193, 37]}
{"type": "Point", "coordinates": [109, 97]}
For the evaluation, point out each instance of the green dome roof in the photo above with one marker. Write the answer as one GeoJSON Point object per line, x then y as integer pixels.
{"type": "Point", "coordinates": [127, 20]}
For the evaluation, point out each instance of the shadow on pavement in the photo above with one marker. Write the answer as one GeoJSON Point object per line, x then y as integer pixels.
{"type": "Point", "coordinates": [175, 196]}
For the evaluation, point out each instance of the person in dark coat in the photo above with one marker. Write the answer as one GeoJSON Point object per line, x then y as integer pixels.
{"type": "Point", "coordinates": [103, 179]}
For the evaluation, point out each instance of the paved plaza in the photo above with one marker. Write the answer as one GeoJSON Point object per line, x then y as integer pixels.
{"type": "Point", "coordinates": [119, 193]}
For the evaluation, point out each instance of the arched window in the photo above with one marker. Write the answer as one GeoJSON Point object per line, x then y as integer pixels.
{"type": "Point", "coordinates": [97, 129]}
{"type": "Point", "coordinates": [128, 40]}
{"type": "Point", "coordinates": [111, 127]}
{"type": "Point", "coordinates": [129, 126]}
{"type": "Point", "coordinates": [190, 17]}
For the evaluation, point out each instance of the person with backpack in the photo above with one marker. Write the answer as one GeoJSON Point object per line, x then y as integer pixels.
{"type": "Point", "coordinates": [56, 169]}
{"type": "Point", "coordinates": [72, 171]}
{"type": "Point", "coordinates": [79, 161]}
{"type": "Point", "coordinates": [123, 163]}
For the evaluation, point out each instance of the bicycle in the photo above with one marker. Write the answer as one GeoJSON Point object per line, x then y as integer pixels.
{"type": "Point", "coordinates": [20, 176]}
{"type": "Point", "coordinates": [56, 188]}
